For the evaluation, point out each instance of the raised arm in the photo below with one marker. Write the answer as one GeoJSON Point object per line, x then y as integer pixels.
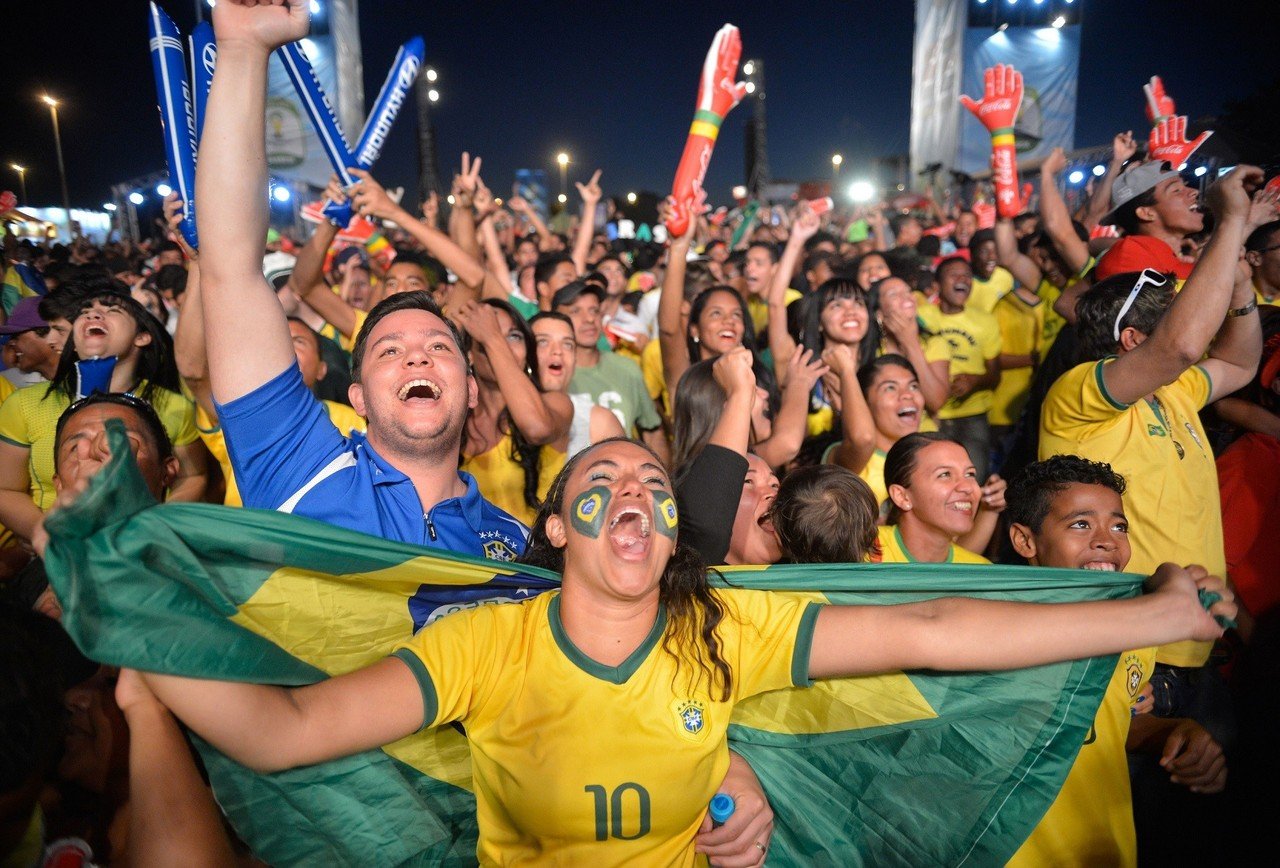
{"type": "Point", "coordinates": [967, 634]}
{"type": "Point", "coordinates": [1195, 316]}
{"type": "Point", "coordinates": [1235, 351]}
{"type": "Point", "coordinates": [734, 374]}
{"type": "Point", "coordinates": [791, 424]}
{"type": "Point", "coordinates": [590, 193]}
{"type": "Point", "coordinates": [542, 417]}
{"type": "Point", "coordinates": [173, 819]}
{"type": "Point", "coordinates": [1055, 216]}
{"type": "Point", "coordinates": [857, 428]}
{"type": "Point", "coordinates": [781, 344]}
{"type": "Point", "coordinates": [1024, 270]}
{"type": "Point", "coordinates": [521, 206]}
{"type": "Point", "coordinates": [371, 200]}
{"type": "Point", "coordinates": [497, 282]}
{"type": "Point", "coordinates": [240, 308]}
{"type": "Point", "coordinates": [1123, 147]}
{"type": "Point", "coordinates": [462, 219]}
{"type": "Point", "coordinates": [675, 352]}
{"type": "Point", "coordinates": [189, 350]}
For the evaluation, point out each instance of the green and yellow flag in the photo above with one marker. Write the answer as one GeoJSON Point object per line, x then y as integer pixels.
{"type": "Point", "coordinates": [899, 769]}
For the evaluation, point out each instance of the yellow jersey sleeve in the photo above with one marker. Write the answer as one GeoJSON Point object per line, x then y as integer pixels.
{"type": "Point", "coordinates": [6, 388]}
{"type": "Point", "coordinates": [178, 415]}
{"type": "Point", "coordinates": [766, 637]}
{"type": "Point", "coordinates": [13, 421]}
{"type": "Point", "coordinates": [344, 418]}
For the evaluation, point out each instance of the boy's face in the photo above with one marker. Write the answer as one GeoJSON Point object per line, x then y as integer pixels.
{"type": "Point", "coordinates": [1085, 529]}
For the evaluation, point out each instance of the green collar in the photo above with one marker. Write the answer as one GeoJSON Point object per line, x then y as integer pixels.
{"type": "Point", "coordinates": [613, 674]}
{"type": "Point", "coordinates": [902, 544]}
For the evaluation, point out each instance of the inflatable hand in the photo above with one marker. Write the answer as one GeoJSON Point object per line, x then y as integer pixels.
{"type": "Point", "coordinates": [1168, 141]}
{"type": "Point", "coordinates": [717, 95]}
{"type": "Point", "coordinates": [1159, 103]}
{"type": "Point", "coordinates": [1001, 99]}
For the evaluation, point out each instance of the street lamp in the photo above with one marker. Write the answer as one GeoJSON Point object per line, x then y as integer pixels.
{"type": "Point", "coordinates": [22, 179]}
{"type": "Point", "coordinates": [836, 160]}
{"type": "Point", "coordinates": [563, 159]}
{"type": "Point", "coordinates": [62, 168]}
{"type": "Point", "coordinates": [631, 198]}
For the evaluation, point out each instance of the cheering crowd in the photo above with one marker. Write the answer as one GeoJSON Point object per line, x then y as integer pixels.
{"type": "Point", "coordinates": [1001, 380]}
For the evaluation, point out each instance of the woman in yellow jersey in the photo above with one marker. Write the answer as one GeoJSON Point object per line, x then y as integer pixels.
{"type": "Point", "coordinates": [514, 418]}
{"type": "Point", "coordinates": [556, 360]}
{"type": "Point", "coordinates": [936, 503]}
{"type": "Point", "coordinates": [894, 307]}
{"type": "Point", "coordinates": [109, 325]}
{"type": "Point", "coordinates": [892, 392]}
{"type": "Point", "coordinates": [597, 715]}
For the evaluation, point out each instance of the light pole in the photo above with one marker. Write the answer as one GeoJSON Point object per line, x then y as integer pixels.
{"type": "Point", "coordinates": [62, 169]}
{"type": "Point", "coordinates": [836, 160]}
{"type": "Point", "coordinates": [22, 180]}
{"type": "Point", "coordinates": [563, 159]}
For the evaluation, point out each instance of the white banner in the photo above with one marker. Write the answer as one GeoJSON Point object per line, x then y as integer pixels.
{"type": "Point", "coordinates": [935, 83]}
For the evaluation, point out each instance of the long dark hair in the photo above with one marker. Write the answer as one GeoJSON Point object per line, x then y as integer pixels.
{"type": "Point", "coordinates": [524, 453]}
{"type": "Point", "coordinates": [155, 365]}
{"type": "Point", "coordinates": [811, 336]}
{"type": "Point", "coordinates": [698, 403]}
{"type": "Point", "coordinates": [693, 610]}
{"type": "Point", "coordinates": [764, 374]}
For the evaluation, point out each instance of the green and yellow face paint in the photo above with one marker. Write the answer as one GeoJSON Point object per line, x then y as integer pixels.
{"type": "Point", "coordinates": [588, 511]}
{"type": "Point", "coordinates": [666, 517]}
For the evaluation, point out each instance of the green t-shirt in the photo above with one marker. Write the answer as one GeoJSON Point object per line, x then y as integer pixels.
{"type": "Point", "coordinates": [617, 384]}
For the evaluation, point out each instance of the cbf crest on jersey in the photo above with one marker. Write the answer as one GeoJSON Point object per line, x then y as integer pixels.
{"type": "Point", "coordinates": [1132, 675]}
{"type": "Point", "coordinates": [691, 717]}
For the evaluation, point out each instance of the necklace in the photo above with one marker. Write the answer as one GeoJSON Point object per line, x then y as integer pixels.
{"type": "Point", "coordinates": [1157, 406]}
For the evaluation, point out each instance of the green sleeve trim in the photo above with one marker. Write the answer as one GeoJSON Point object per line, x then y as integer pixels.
{"type": "Point", "coordinates": [1203, 370]}
{"type": "Point", "coordinates": [804, 646]}
{"type": "Point", "coordinates": [430, 702]}
{"type": "Point", "coordinates": [13, 442]}
{"type": "Point", "coordinates": [1002, 131]}
{"type": "Point", "coordinates": [1102, 386]}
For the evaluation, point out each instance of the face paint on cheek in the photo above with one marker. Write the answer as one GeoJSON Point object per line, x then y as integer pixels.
{"type": "Point", "coordinates": [588, 511]}
{"type": "Point", "coordinates": [666, 517]}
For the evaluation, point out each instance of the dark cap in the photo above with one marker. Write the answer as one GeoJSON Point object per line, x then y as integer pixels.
{"type": "Point", "coordinates": [568, 294]}
{"type": "Point", "coordinates": [25, 317]}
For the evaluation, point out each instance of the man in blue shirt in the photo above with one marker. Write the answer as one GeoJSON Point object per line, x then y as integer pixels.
{"type": "Point", "coordinates": [411, 378]}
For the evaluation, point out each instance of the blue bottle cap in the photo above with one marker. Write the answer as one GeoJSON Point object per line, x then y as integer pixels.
{"type": "Point", "coordinates": [721, 807]}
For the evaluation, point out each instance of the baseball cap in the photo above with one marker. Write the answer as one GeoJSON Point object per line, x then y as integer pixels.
{"type": "Point", "coordinates": [570, 292]}
{"type": "Point", "coordinates": [1133, 182]}
{"type": "Point", "coordinates": [25, 317]}
{"type": "Point", "coordinates": [1134, 253]}
{"type": "Point", "coordinates": [348, 253]}
{"type": "Point", "coordinates": [276, 268]}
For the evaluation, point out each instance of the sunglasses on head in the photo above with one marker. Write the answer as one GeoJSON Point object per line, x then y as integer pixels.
{"type": "Point", "coordinates": [1148, 277]}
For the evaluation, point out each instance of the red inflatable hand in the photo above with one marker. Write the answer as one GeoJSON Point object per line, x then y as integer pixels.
{"type": "Point", "coordinates": [717, 95]}
{"type": "Point", "coordinates": [1159, 103]}
{"type": "Point", "coordinates": [1001, 99]}
{"type": "Point", "coordinates": [1168, 141]}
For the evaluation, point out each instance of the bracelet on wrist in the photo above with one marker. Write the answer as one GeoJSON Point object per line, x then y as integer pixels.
{"type": "Point", "coordinates": [1244, 311]}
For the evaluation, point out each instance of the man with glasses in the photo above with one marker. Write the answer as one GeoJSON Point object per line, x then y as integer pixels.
{"type": "Point", "coordinates": [1135, 404]}
{"type": "Point", "coordinates": [1262, 252]}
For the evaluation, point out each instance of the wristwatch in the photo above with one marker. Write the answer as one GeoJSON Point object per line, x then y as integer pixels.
{"type": "Point", "coordinates": [1242, 311]}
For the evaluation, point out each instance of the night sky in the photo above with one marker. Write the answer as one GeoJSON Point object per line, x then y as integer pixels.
{"type": "Point", "coordinates": [613, 84]}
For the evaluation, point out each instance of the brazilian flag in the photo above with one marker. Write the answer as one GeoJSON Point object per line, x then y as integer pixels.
{"type": "Point", "coordinates": [905, 768]}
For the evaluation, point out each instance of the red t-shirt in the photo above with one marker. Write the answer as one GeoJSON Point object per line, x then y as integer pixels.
{"type": "Point", "coordinates": [1249, 483]}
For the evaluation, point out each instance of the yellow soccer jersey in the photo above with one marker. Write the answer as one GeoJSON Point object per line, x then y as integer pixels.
{"type": "Point", "coordinates": [1021, 333]}
{"type": "Point", "coordinates": [974, 339]}
{"type": "Point", "coordinates": [893, 549]}
{"type": "Point", "coordinates": [1161, 450]}
{"type": "Point", "coordinates": [585, 764]}
{"type": "Point", "coordinates": [343, 418]}
{"type": "Point", "coordinates": [29, 419]}
{"type": "Point", "coordinates": [6, 388]}
{"type": "Point", "coordinates": [985, 293]}
{"type": "Point", "coordinates": [655, 378]}
{"type": "Point", "coordinates": [501, 478]}
{"type": "Point", "coordinates": [759, 309]}
{"type": "Point", "coordinates": [1091, 820]}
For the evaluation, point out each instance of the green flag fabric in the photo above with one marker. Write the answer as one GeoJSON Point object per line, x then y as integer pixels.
{"type": "Point", "coordinates": [897, 769]}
